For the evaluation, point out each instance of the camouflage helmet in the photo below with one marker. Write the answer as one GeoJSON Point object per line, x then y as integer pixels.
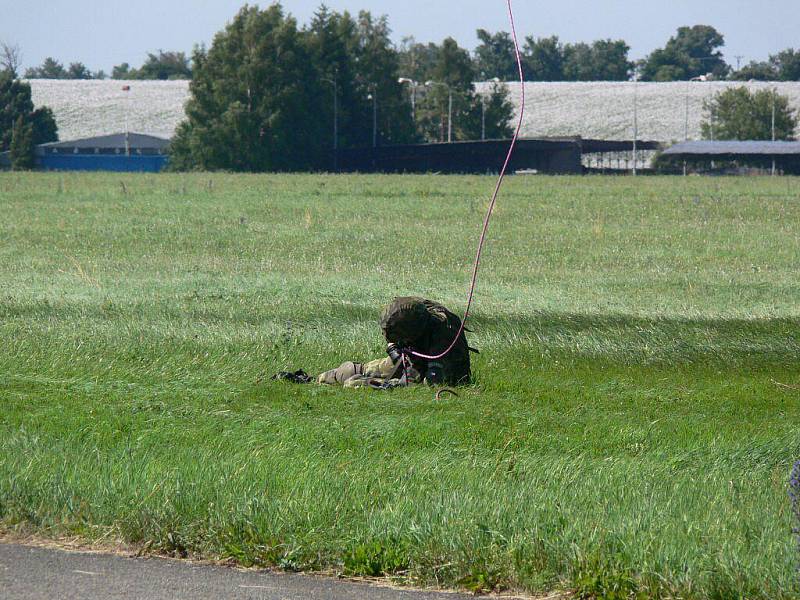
{"type": "Point", "coordinates": [405, 320]}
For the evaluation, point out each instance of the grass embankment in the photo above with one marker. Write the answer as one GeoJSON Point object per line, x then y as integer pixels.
{"type": "Point", "coordinates": [632, 425]}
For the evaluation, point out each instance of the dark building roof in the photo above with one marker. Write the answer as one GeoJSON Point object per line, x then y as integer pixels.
{"type": "Point", "coordinates": [733, 148]}
{"type": "Point", "coordinates": [137, 143]}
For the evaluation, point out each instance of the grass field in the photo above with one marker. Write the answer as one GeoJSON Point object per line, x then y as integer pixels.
{"type": "Point", "coordinates": [630, 432]}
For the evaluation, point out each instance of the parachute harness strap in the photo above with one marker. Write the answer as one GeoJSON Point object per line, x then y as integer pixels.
{"type": "Point", "coordinates": [489, 211]}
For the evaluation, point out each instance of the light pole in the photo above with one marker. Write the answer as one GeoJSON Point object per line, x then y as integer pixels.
{"type": "Point", "coordinates": [686, 121]}
{"type": "Point", "coordinates": [127, 89]}
{"type": "Point", "coordinates": [449, 107]}
{"type": "Point", "coordinates": [413, 85]}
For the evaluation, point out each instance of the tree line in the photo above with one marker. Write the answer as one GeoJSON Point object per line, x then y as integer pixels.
{"type": "Point", "coordinates": [692, 52]}
{"type": "Point", "coordinates": [269, 95]}
{"type": "Point", "coordinates": [163, 65]}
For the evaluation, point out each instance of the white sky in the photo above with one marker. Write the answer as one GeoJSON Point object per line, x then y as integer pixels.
{"type": "Point", "coordinates": [105, 33]}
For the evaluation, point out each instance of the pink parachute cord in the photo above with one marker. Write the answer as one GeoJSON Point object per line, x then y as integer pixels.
{"type": "Point", "coordinates": [493, 201]}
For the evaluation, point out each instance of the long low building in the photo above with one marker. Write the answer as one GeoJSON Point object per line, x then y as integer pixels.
{"type": "Point", "coordinates": [758, 153]}
{"type": "Point", "coordinates": [543, 155]}
{"type": "Point", "coordinates": [115, 152]}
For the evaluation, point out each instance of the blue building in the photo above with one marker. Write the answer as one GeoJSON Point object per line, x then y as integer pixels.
{"type": "Point", "coordinates": [116, 152]}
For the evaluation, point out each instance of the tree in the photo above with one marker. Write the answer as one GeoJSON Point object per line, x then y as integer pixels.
{"type": "Point", "coordinates": [256, 102]}
{"type": "Point", "coordinates": [15, 100]}
{"type": "Point", "coordinates": [378, 74]}
{"type": "Point", "coordinates": [165, 65]}
{"type": "Point", "coordinates": [495, 56]}
{"type": "Point", "coordinates": [759, 71]}
{"type": "Point", "coordinates": [738, 114]}
{"type": "Point", "coordinates": [50, 69]}
{"type": "Point", "coordinates": [10, 58]}
{"type": "Point", "coordinates": [122, 71]}
{"type": "Point", "coordinates": [787, 64]}
{"type": "Point", "coordinates": [332, 39]}
{"type": "Point", "coordinates": [543, 59]}
{"type": "Point", "coordinates": [692, 52]}
{"type": "Point", "coordinates": [43, 125]}
{"type": "Point", "coordinates": [417, 61]}
{"type": "Point", "coordinates": [22, 146]}
{"type": "Point", "coordinates": [491, 112]}
{"type": "Point", "coordinates": [609, 59]}
{"type": "Point", "coordinates": [78, 70]}
{"type": "Point", "coordinates": [451, 76]}
{"type": "Point", "coordinates": [547, 59]}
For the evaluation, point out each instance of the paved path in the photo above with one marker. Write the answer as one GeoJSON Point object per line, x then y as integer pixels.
{"type": "Point", "coordinates": [28, 573]}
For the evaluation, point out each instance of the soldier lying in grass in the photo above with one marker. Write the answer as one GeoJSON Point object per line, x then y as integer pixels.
{"type": "Point", "coordinates": [411, 324]}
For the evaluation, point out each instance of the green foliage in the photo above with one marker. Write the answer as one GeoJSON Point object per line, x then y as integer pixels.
{"type": "Point", "coordinates": [491, 110]}
{"type": "Point", "coordinates": [263, 94]}
{"type": "Point", "coordinates": [78, 70]}
{"type": "Point", "coordinates": [442, 69]}
{"type": "Point", "coordinates": [164, 65]}
{"type": "Point", "coordinates": [739, 114]}
{"type": "Point", "coordinates": [634, 415]}
{"type": "Point", "coordinates": [547, 59]}
{"type": "Point", "coordinates": [15, 102]}
{"type": "Point", "coordinates": [44, 126]}
{"type": "Point", "coordinates": [784, 66]}
{"type": "Point", "coordinates": [787, 64]}
{"type": "Point", "coordinates": [604, 60]}
{"type": "Point", "coordinates": [543, 59]}
{"type": "Point", "coordinates": [451, 75]}
{"type": "Point", "coordinates": [49, 69]}
{"type": "Point", "coordinates": [416, 60]}
{"type": "Point", "coordinates": [495, 56]}
{"type": "Point", "coordinates": [759, 71]}
{"type": "Point", "coordinates": [21, 148]}
{"type": "Point", "coordinates": [599, 582]}
{"type": "Point", "coordinates": [482, 581]}
{"type": "Point", "coordinates": [52, 69]}
{"type": "Point", "coordinates": [377, 558]}
{"type": "Point", "coordinates": [254, 101]}
{"type": "Point", "coordinates": [692, 52]}
{"type": "Point", "coordinates": [121, 71]}
{"type": "Point", "coordinates": [377, 73]}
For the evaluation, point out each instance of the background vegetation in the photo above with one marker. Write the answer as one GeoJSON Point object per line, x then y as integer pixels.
{"type": "Point", "coordinates": [631, 429]}
{"type": "Point", "coordinates": [22, 126]}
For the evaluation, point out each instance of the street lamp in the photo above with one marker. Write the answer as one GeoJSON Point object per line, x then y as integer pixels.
{"type": "Point", "coordinates": [688, 82]}
{"type": "Point", "coordinates": [449, 109]}
{"type": "Point", "coordinates": [686, 121]}
{"type": "Point", "coordinates": [413, 84]}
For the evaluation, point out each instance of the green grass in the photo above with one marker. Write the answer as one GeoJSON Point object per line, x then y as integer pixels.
{"type": "Point", "coordinates": [630, 432]}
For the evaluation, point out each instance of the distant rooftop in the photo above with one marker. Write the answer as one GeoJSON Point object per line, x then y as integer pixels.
{"type": "Point", "coordinates": [750, 148]}
{"type": "Point", "coordinates": [136, 141]}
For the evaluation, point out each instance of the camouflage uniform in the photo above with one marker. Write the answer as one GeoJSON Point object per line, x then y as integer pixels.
{"type": "Point", "coordinates": [417, 324]}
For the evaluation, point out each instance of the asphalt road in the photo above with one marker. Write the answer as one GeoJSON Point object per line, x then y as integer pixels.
{"type": "Point", "coordinates": [28, 573]}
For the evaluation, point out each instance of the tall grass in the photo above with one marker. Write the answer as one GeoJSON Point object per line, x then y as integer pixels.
{"type": "Point", "coordinates": [630, 430]}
